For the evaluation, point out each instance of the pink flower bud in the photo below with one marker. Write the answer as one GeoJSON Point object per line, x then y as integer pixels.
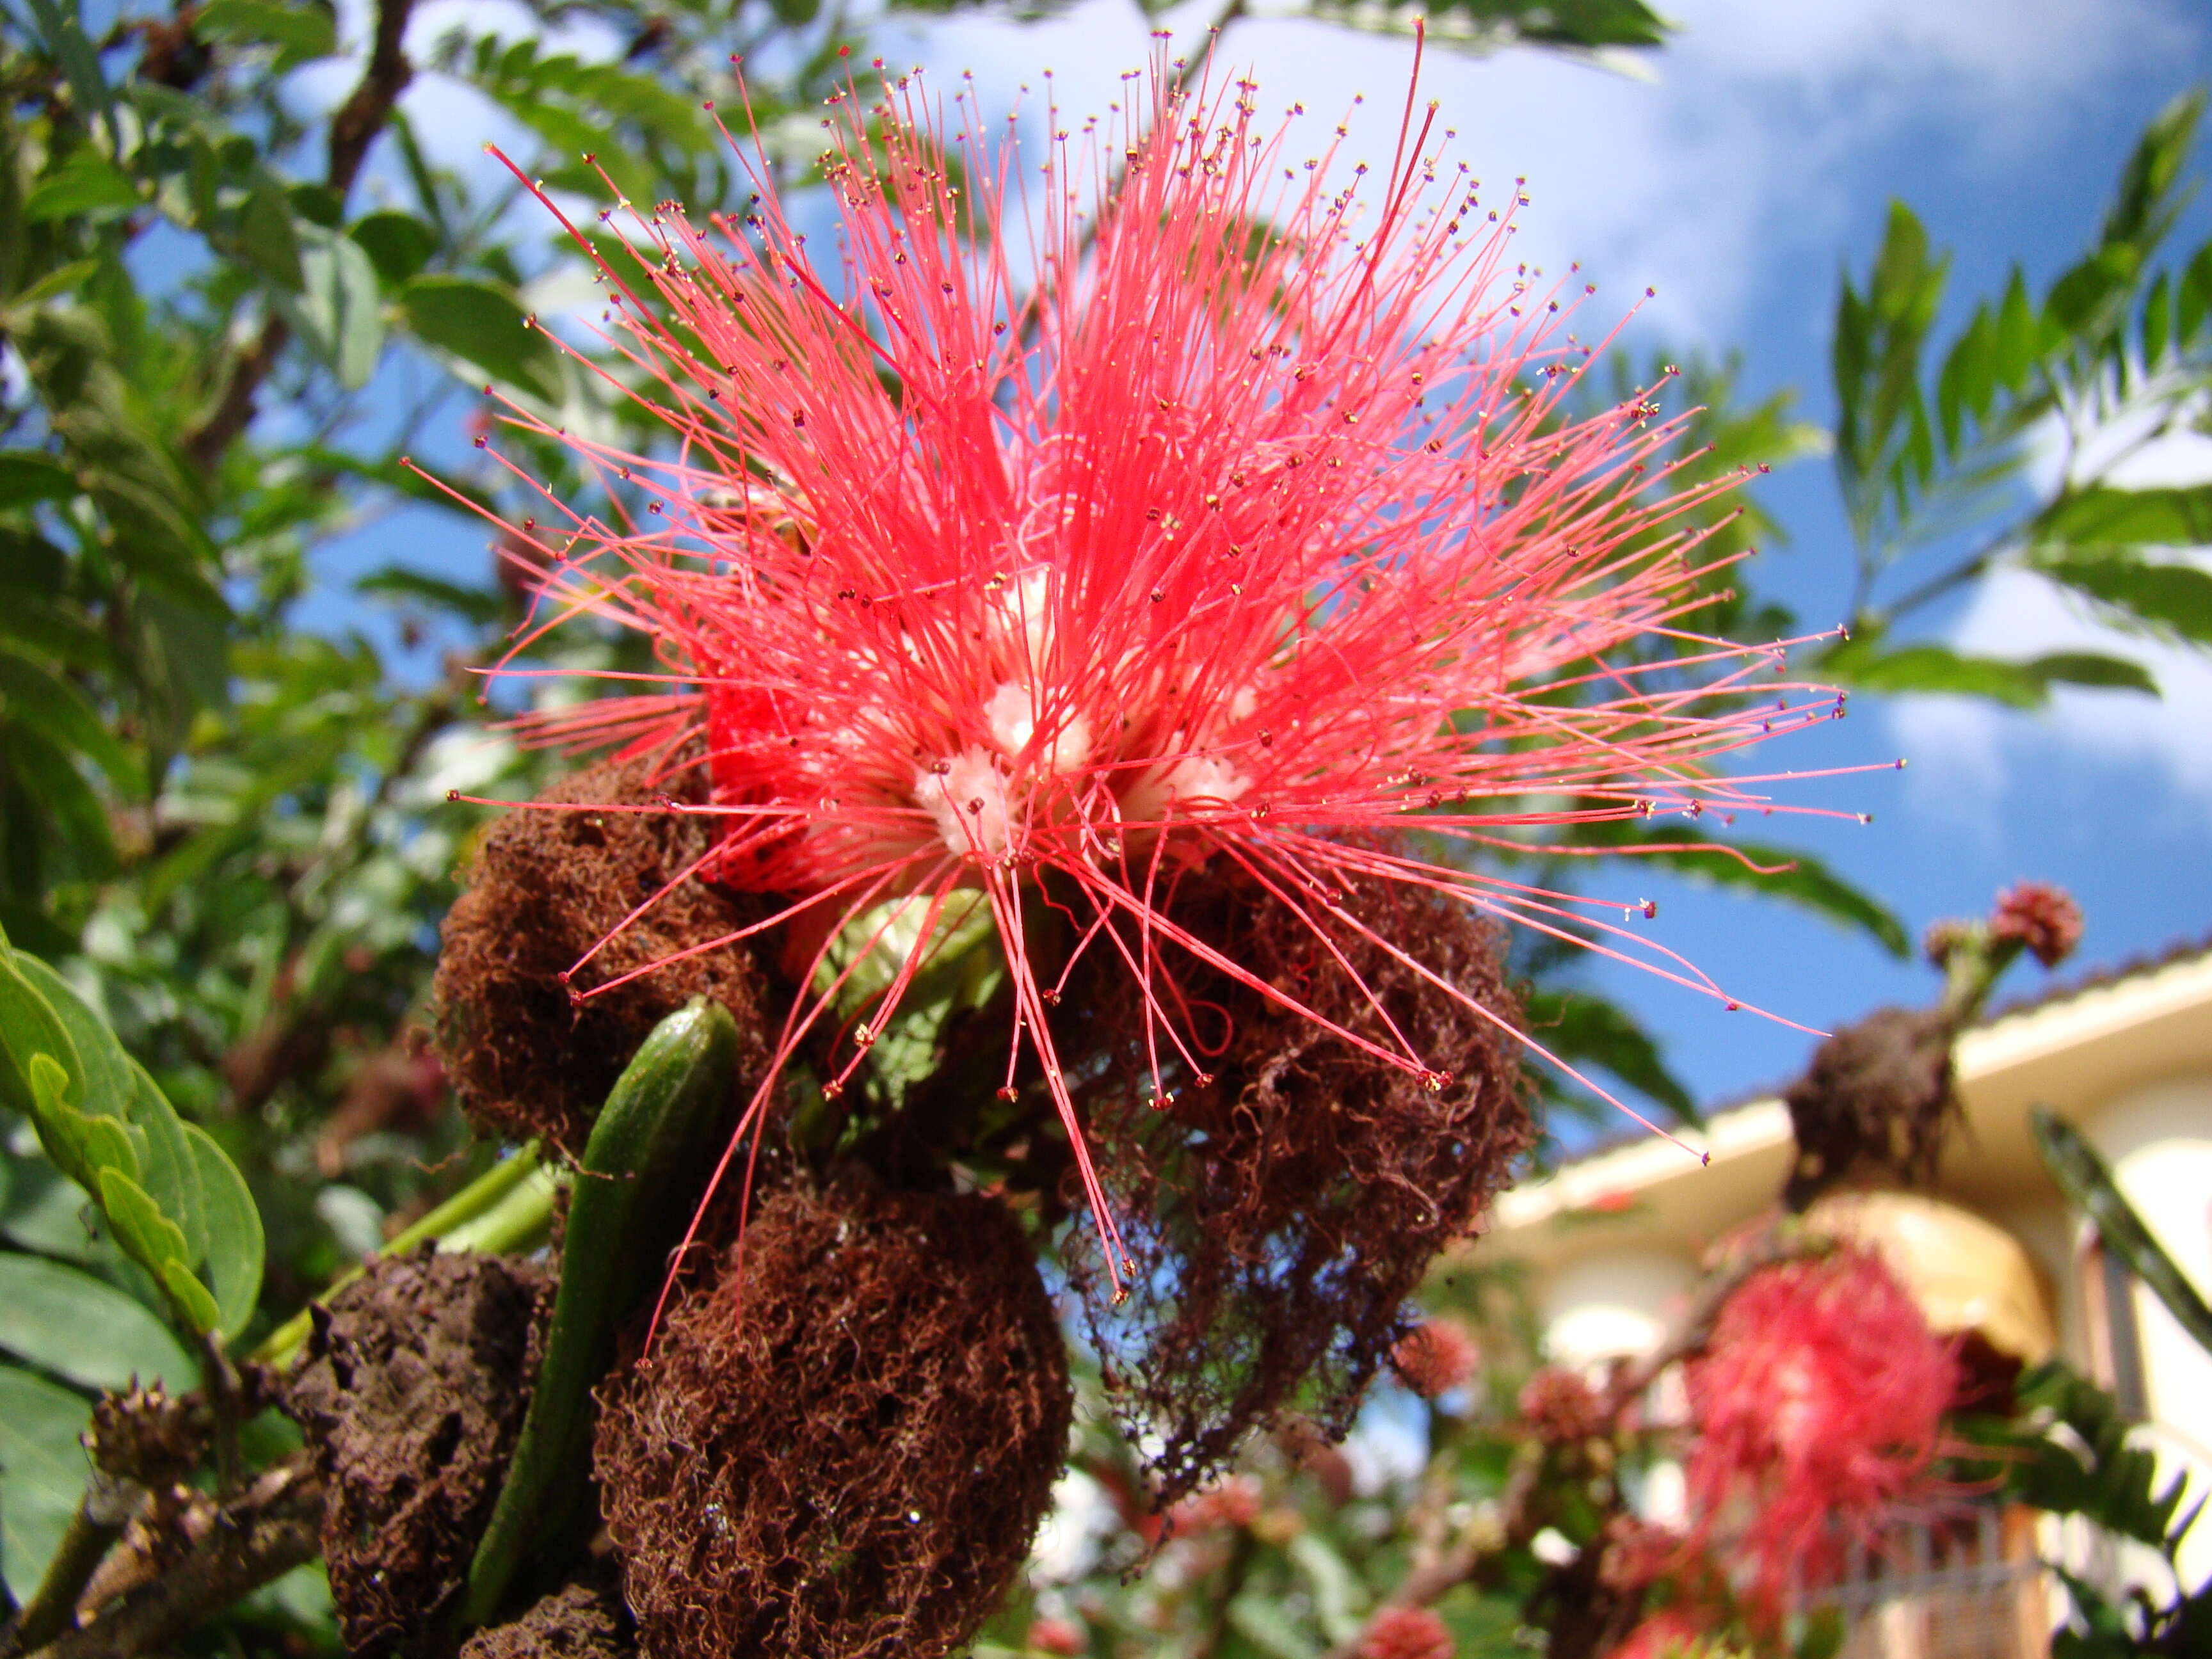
{"type": "Point", "coordinates": [1435, 1358]}
{"type": "Point", "coordinates": [1407, 1633]}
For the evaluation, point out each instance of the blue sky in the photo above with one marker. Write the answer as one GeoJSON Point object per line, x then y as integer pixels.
{"type": "Point", "coordinates": [1734, 175]}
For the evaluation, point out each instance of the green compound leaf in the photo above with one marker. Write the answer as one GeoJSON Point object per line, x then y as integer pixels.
{"type": "Point", "coordinates": [87, 183]}
{"type": "Point", "coordinates": [148, 1237]}
{"type": "Point", "coordinates": [398, 244]}
{"type": "Point", "coordinates": [124, 1123]}
{"type": "Point", "coordinates": [102, 1067]}
{"type": "Point", "coordinates": [2082, 1175]}
{"type": "Point", "coordinates": [2167, 598]}
{"type": "Point", "coordinates": [300, 32]}
{"type": "Point", "coordinates": [1752, 866]}
{"type": "Point", "coordinates": [31, 475]}
{"type": "Point", "coordinates": [170, 1173]}
{"type": "Point", "coordinates": [2105, 516]}
{"type": "Point", "coordinates": [61, 713]}
{"type": "Point", "coordinates": [1936, 668]}
{"type": "Point", "coordinates": [2093, 668]}
{"type": "Point", "coordinates": [1580, 1029]}
{"type": "Point", "coordinates": [269, 237]}
{"type": "Point", "coordinates": [81, 1145]}
{"type": "Point", "coordinates": [339, 312]}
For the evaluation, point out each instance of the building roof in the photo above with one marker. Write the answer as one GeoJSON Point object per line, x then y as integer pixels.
{"type": "Point", "coordinates": [2072, 1046]}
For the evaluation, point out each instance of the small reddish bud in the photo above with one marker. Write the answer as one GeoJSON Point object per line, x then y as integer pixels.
{"type": "Point", "coordinates": [1058, 1636]}
{"type": "Point", "coordinates": [2043, 918]}
{"type": "Point", "coordinates": [1407, 1633]}
{"type": "Point", "coordinates": [1560, 1408]}
{"type": "Point", "coordinates": [1435, 1358]}
{"type": "Point", "coordinates": [1233, 1503]}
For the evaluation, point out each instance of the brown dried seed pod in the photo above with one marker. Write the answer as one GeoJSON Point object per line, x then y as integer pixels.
{"type": "Point", "coordinates": [1877, 1100]}
{"type": "Point", "coordinates": [841, 1447]}
{"type": "Point", "coordinates": [547, 886]}
{"type": "Point", "coordinates": [1280, 1214]}
{"type": "Point", "coordinates": [584, 1621]}
{"type": "Point", "coordinates": [412, 1395]}
{"type": "Point", "coordinates": [147, 1435]}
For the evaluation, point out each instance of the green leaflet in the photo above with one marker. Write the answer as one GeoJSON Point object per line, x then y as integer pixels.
{"type": "Point", "coordinates": [42, 1472]}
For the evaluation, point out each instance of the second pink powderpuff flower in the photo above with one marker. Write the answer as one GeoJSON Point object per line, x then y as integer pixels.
{"type": "Point", "coordinates": [1817, 1410]}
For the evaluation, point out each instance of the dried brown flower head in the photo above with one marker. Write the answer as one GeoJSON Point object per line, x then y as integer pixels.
{"type": "Point", "coordinates": [841, 1447]}
{"type": "Point", "coordinates": [411, 1395]}
{"type": "Point", "coordinates": [1279, 1210]}
{"type": "Point", "coordinates": [584, 1621]}
{"type": "Point", "coordinates": [1877, 1098]}
{"type": "Point", "coordinates": [546, 888]}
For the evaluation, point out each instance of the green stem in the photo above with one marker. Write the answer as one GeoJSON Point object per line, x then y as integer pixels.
{"type": "Point", "coordinates": [484, 1193]}
{"type": "Point", "coordinates": [1972, 973]}
{"type": "Point", "coordinates": [654, 1140]}
{"type": "Point", "coordinates": [100, 1519]}
{"type": "Point", "coordinates": [522, 1220]}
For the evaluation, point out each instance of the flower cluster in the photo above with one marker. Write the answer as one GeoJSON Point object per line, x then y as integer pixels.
{"type": "Point", "coordinates": [1673, 1633]}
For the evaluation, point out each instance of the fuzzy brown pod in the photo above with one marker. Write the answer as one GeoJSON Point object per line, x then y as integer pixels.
{"type": "Point", "coordinates": [582, 1621]}
{"type": "Point", "coordinates": [411, 1395]}
{"type": "Point", "coordinates": [1279, 1214]}
{"type": "Point", "coordinates": [843, 1442]}
{"type": "Point", "coordinates": [545, 887]}
{"type": "Point", "coordinates": [1877, 1100]}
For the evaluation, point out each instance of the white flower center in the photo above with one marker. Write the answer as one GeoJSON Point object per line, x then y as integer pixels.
{"type": "Point", "coordinates": [1194, 781]}
{"type": "Point", "coordinates": [1012, 713]}
{"type": "Point", "coordinates": [967, 797]}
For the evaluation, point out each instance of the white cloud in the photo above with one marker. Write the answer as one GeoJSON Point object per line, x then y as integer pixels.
{"type": "Point", "coordinates": [1740, 148]}
{"type": "Point", "coordinates": [1967, 753]}
{"type": "Point", "coordinates": [1964, 754]}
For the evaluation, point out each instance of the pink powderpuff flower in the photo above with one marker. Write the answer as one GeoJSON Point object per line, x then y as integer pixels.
{"type": "Point", "coordinates": [1816, 1411]}
{"type": "Point", "coordinates": [1436, 1357]}
{"type": "Point", "coordinates": [1407, 1633]}
{"type": "Point", "coordinates": [1160, 508]}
